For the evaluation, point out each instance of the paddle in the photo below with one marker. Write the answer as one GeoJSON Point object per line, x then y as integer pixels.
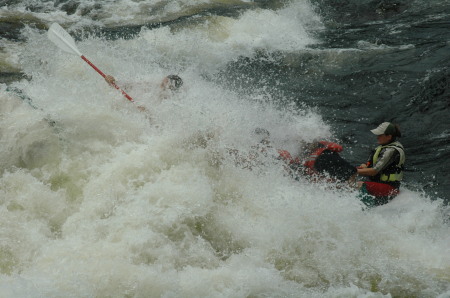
{"type": "Point", "coordinates": [65, 42]}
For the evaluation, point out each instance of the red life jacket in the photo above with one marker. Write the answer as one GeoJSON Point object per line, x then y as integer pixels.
{"type": "Point", "coordinates": [322, 146]}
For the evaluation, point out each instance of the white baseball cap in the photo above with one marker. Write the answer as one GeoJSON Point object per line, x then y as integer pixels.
{"type": "Point", "coordinates": [385, 128]}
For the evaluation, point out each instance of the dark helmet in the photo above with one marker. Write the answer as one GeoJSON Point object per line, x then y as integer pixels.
{"type": "Point", "coordinates": [175, 82]}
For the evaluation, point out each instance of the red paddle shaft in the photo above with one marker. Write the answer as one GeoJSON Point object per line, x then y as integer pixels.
{"type": "Point", "coordinates": [103, 75]}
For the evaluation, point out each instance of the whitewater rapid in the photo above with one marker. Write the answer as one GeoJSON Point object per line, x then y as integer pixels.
{"type": "Point", "coordinates": [100, 199]}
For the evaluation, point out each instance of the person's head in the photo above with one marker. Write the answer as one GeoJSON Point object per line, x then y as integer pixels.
{"type": "Point", "coordinates": [262, 134]}
{"type": "Point", "coordinates": [386, 133]}
{"type": "Point", "coordinates": [172, 82]}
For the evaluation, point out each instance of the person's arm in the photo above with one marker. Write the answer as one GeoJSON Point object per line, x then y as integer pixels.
{"type": "Point", "coordinates": [364, 171]}
{"type": "Point", "coordinates": [110, 80]}
{"type": "Point", "coordinates": [142, 108]}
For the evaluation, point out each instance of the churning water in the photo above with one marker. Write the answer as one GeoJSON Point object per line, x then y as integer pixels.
{"type": "Point", "coordinates": [100, 199]}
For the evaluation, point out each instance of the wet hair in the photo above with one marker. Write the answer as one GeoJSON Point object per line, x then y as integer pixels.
{"type": "Point", "coordinates": [397, 133]}
{"type": "Point", "coordinates": [175, 82]}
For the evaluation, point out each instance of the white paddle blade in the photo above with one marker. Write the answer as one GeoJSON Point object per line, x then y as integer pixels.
{"type": "Point", "coordinates": [62, 39]}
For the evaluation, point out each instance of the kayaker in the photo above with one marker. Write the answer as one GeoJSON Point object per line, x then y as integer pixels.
{"type": "Point", "coordinates": [169, 84]}
{"type": "Point", "coordinates": [384, 167]}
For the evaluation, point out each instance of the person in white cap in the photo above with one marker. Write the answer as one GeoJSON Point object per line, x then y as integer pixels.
{"type": "Point", "coordinates": [384, 167]}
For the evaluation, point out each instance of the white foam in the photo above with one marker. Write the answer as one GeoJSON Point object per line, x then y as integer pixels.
{"type": "Point", "coordinates": [108, 202]}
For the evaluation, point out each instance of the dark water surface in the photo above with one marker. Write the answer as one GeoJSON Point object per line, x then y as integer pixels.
{"type": "Point", "coordinates": [403, 77]}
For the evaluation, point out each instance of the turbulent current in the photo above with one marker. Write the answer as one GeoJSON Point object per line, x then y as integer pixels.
{"type": "Point", "coordinates": [99, 198]}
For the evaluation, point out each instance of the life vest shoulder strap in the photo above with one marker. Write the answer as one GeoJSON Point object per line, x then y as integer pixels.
{"type": "Point", "coordinates": [392, 173]}
{"type": "Point", "coordinates": [397, 146]}
{"type": "Point", "coordinates": [331, 146]}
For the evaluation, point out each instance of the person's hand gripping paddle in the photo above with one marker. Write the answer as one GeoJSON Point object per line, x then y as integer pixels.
{"type": "Point", "coordinates": [65, 42]}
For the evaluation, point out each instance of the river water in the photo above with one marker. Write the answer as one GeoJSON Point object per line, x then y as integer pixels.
{"type": "Point", "coordinates": [100, 199]}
